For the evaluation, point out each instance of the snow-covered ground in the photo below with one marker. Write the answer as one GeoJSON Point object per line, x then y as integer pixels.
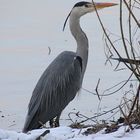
{"type": "Point", "coordinates": [67, 133]}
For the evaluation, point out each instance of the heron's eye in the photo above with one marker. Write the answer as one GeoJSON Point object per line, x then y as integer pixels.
{"type": "Point", "coordinates": [86, 5]}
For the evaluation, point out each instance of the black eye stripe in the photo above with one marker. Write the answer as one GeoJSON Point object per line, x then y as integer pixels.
{"type": "Point", "coordinates": [83, 3]}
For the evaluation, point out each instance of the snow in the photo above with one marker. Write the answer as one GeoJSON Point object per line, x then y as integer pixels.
{"type": "Point", "coordinates": [67, 133]}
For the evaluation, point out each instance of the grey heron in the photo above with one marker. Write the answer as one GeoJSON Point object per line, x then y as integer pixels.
{"type": "Point", "coordinates": [63, 78]}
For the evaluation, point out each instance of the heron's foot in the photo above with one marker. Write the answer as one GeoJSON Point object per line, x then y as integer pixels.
{"type": "Point", "coordinates": [51, 123]}
{"type": "Point", "coordinates": [57, 123]}
{"type": "Point", "coordinates": [54, 123]}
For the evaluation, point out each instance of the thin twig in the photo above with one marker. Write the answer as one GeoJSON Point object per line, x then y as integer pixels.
{"type": "Point", "coordinates": [104, 30]}
{"type": "Point", "coordinates": [122, 32]}
{"type": "Point", "coordinates": [134, 103]}
{"type": "Point", "coordinates": [126, 119]}
{"type": "Point", "coordinates": [120, 87]}
{"type": "Point", "coordinates": [90, 118]}
{"type": "Point", "coordinates": [49, 51]}
{"type": "Point", "coordinates": [97, 89]}
{"type": "Point", "coordinates": [135, 19]}
{"type": "Point", "coordinates": [124, 81]}
{"type": "Point", "coordinates": [43, 134]}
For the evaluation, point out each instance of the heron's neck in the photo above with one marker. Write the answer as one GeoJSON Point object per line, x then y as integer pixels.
{"type": "Point", "coordinates": [81, 39]}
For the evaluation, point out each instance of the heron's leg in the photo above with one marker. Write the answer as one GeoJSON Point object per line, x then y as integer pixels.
{"type": "Point", "coordinates": [51, 122]}
{"type": "Point", "coordinates": [57, 120]}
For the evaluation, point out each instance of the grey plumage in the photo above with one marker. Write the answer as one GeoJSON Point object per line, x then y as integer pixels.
{"type": "Point", "coordinates": [63, 78]}
{"type": "Point", "coordinates": [44, 107]}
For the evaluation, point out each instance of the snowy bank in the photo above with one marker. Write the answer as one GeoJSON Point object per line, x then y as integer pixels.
{"type": "Point", "coordinates": [67, 133]}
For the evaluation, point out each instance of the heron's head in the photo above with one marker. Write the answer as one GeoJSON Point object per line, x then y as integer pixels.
{"type": "Point", "coordinates": [83, 7]}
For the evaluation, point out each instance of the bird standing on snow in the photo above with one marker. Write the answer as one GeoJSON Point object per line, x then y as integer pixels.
{"type": "Point", "coordinates": [63, 78]}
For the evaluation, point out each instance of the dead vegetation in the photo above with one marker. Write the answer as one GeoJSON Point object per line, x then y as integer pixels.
{"type": "Point", "coordinates": [129, 108]}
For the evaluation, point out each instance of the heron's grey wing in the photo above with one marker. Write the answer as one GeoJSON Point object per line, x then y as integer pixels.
{"type": "Point", "coordinates": [56, 88]}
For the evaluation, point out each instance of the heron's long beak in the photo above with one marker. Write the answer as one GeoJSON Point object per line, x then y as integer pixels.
{"type": "Point", "coordinates": [103, 5]}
